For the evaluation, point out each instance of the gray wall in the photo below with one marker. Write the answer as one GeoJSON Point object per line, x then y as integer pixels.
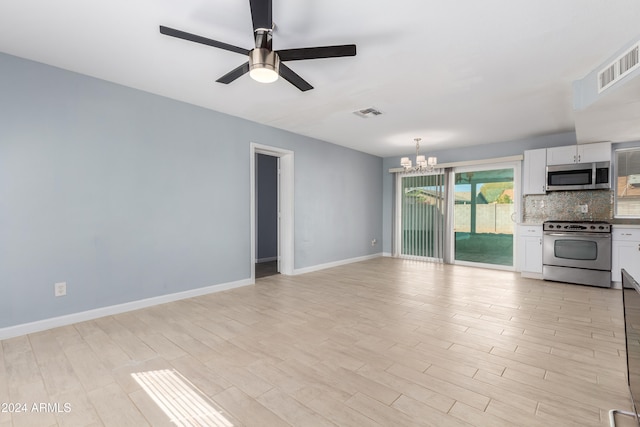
{"type": "Point", "coordinates": [266, 207]}
{"type": "Point", "coordinates": [127, 195]}
{"type": "Point", "coordinates": [479, 152]}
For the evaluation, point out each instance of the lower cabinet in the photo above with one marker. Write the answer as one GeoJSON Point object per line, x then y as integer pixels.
{"type": "Point", "coordinates": [530, 250]}
{"type": "Point", "coordinates": [625, 252]}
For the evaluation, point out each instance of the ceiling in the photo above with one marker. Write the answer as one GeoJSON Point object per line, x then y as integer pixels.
{"type": "Point", "coordinates": [455, 73]}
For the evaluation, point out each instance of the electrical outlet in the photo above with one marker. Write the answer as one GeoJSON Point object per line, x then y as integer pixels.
{"type": "Point", "coordinates": [584, 208]}
{"type": "Point", "coordinates": [374, 242]}
{"type": "Point", "coordinates": [60, 289]}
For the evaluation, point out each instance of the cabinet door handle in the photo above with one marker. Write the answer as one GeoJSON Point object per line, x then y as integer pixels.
{"type": "Point", "coordinates": [541, 244]}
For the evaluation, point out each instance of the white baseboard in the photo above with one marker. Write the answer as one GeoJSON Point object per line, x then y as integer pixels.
{"type": "Point", "coordinates": [54, 322]}
{"type": "Point", "coordinates": [387, 254]}
{"type": "Point", "coordinates": [334, 264]}
{"type": "Point", "coordinates": [273, 258]}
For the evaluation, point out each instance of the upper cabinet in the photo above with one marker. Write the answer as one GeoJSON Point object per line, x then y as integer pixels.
{"type": "Point", "coordinates": [582, 153]}
{"type": "Point", "coordinates": [598, 152]}
{"type": "Point", "coordinates": [533, 171]}
{"type": "Point", "coordinates": [562, 155]}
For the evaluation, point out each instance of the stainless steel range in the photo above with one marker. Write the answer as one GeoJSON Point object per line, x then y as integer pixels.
{"type": "Point", "coordinates": [577, 252]}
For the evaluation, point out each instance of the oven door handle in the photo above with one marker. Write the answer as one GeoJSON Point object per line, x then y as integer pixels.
{"type": "Point", "coordinates": [579, 234]}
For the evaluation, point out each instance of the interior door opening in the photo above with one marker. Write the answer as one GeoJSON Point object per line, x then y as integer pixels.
{"type": "Point", "coordinates": [267, 215]}
{"type": "Point", "coordinates": [285, 214]}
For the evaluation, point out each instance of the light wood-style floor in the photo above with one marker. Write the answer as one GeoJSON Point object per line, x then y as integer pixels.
{"type": "Point", "coordinates": [384, 342]}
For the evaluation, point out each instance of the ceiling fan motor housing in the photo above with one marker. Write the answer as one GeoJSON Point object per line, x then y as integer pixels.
{"type": "Point", "coordinates": [264, 65]}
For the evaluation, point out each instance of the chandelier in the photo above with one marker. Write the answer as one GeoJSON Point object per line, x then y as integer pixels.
{"type": "Point", "coordinates": [422, 163]}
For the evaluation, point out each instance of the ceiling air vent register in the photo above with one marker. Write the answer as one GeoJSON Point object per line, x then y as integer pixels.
{"type": "Point", "coordinates": [367, 112]}
{"type": "Point", "coordinates": [623, 65]}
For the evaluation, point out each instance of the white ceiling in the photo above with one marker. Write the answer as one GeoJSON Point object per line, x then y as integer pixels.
{"type": "Point", "coordinates": [455, 73]}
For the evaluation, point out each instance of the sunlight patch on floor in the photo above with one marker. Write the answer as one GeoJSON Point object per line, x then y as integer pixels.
{"type": "Point", "coordinates": [179, 399]}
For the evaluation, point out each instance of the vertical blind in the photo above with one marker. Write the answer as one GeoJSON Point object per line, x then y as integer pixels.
{"type": "Point", "coordinates": [422, 216]}
{"type": "Point", "coordinates": [627, 183]}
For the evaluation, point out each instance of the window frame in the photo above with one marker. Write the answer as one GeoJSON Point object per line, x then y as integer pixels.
{"type": "Point", "coordinates": [614, 182]}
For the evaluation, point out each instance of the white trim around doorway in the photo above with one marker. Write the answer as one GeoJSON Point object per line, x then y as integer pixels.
{"type": "Point", "coordinates": [285, 195]}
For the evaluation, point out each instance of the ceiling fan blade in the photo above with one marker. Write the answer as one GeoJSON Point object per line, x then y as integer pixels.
{"type": "Point", "coordinates": [234, 74]}
{"type": "Point", "coordinates": [317, 52]}
{"type": "Point", "coordinates": [261, 14]}
{"type": "Point", "coordinates": [203, 40]}
{"type": "Point", "coordinates": [289, 75]}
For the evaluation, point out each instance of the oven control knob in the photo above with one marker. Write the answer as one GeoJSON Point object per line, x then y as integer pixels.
{"type": "Point", "coordinates": [550, 226]}
{"type": "Point", "coordinates": [601, 227]}
{"type": "Point", "coordinates": [593, 227]}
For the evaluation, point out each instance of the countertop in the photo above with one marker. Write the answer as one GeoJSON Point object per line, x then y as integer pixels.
{"type": "Point", "coordinates": [616, 223]}
{"type": "Point", "coordinates": [631, 222]}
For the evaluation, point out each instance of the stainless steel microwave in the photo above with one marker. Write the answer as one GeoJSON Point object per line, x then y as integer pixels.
{"type": "Point", "coordinates": [579, 176]}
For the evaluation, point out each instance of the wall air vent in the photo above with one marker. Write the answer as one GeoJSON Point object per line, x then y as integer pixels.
{"type": "Point", "coordinates": [629, 61]}
{"type": "Point", "coordinates": [367, 112]}
{"type": "Point", "coordinates": [606, 77]}
{"type": "Point", "coordinates": [623, 65]}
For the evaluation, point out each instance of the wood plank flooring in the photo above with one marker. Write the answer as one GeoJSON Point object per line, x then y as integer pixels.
{"type": "Point", "coordinates": [384, 342]}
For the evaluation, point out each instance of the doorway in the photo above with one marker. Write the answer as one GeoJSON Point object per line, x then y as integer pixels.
{"type": "Point", "coordinates": [267, 221]}
{"type": "Point", "coordinates": [484, 210]}
{"type": "Point", "coordinates": [275, 245]}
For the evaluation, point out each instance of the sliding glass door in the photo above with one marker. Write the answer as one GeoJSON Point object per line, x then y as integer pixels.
{"type": "Point", "coordinates": [461, 215]}
{"type": "Point", "coordinates": [484, 214]}
{"type": "Point", "coordinates": [421, 230]}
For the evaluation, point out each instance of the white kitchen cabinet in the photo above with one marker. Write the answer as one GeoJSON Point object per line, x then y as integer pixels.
{"type": "Point", "coordinates": [530, 250]}
{"type": "Point", "coordinates": [561, 155]}
{"type": "Point", "coordinates": [596, 152]}
{"type": "Point", "coordinates": [534, 171]}
{"type": "Point", "coordinates": [582, 153]}
{"type": "Point", "coordinates": [625, 252]}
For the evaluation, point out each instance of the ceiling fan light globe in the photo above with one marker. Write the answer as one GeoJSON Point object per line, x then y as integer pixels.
{"type": "Point", "coordinates": [263, 75]}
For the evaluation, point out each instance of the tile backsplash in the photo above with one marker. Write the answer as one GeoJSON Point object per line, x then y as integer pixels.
{"type": "Point", "coordinates": [565, 206]}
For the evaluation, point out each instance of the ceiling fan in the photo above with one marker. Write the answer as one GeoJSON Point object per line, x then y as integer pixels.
{"type": "Point", "coordinates": [265, 64]}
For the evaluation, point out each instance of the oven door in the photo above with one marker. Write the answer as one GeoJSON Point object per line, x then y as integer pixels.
{"type": "Point", "coordinates": [579, 250]}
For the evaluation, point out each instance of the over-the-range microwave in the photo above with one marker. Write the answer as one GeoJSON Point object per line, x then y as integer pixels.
{"type": "Point", "coordinates": [579, 176]}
